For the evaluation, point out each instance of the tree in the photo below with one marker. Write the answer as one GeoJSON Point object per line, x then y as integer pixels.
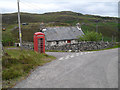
{"type": "Point", "coordinates": [90, 36]}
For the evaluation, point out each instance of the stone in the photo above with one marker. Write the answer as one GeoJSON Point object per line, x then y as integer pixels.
{"type": "Point", "coordinates": [81, 46]}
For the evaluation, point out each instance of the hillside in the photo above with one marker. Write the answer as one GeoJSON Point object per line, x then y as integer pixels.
{"type": "Point", "coordinates": [106, 25]}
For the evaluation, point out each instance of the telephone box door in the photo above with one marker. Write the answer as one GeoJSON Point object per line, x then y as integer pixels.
{"type": "Point", "coordinates": [39, 42]}
{"type": "Point", "coordinates": [40, 45]}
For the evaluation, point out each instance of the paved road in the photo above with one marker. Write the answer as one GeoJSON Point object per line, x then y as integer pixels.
{"type": "Point", "coordinates": [97, 69]}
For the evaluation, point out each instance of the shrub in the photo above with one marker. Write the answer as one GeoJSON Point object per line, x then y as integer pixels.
{"type": "Point", "coordinates": [7, 39]}
{"type": "Point", "coordinates": [90, 36]}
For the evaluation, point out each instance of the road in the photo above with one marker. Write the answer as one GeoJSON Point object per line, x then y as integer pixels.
{"type": "Point", "coordinates": [96, 69]}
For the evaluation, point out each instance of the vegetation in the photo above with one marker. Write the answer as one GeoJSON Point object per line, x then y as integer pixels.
{"type": "Point", "coordinates": [6, 39]}
{"type": "Point", "coordinates": [90, 36]}
{"type": "Point", "coordinates": [7, 36]}
{"type": "Point", "coordinates": [107, 26]}
{"type": "Point", "coordinates": [18, 64]}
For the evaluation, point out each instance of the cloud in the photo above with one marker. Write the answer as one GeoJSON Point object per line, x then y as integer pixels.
{"type": "Point", "coordinates": [7, 6]}
{"type": "Point", "coordinates": [105, 9]}
{"type": "Point", "coordinates": [96, 7]}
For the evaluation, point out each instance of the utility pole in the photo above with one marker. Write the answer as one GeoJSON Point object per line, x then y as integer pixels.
{"type": "Point", "coordinates": [20, 34]}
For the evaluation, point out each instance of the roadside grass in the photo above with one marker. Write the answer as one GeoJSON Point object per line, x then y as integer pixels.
{"type": "Point", "coordinates": [18, 64]}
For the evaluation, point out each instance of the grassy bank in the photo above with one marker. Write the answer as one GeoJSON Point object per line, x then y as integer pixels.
{"type": "Point", "coordinates": [18, 64]}
{"type": "Point", "coordinates": [106, 25]}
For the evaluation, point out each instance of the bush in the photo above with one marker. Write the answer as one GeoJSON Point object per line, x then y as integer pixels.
{"type": "Point", "coordinates": [90, 36]}
{"type": "Point", "coordinates": [17, 64]}
{"type": "Point", "coordinates": [7, 39]}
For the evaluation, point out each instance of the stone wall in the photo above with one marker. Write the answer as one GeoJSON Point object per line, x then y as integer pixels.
{"type": "Point", "coordinates": [28, 45]}
{"type": "Point", "coordinates": [81, 46]}
{"type": "Point", "coordinates": [59, 43]}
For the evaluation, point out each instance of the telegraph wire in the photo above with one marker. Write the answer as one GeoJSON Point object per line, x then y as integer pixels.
{"type": "Point", "coordinates": [31, 5]}
{"type": "Point", "coordinates": [26, 4]}
{"type": "Point", "coordinates": [28, 7]}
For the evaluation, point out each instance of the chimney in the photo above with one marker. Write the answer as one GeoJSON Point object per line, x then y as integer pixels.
{"type": "Point", "coordinates": [78, 26]}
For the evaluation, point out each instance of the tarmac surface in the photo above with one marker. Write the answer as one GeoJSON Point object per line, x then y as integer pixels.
{"type": "Point", "coordinates": [95, 69]}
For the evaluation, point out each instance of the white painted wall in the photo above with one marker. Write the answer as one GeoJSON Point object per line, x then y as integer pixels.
{"type": "Point", "coordinates": [61, 42]}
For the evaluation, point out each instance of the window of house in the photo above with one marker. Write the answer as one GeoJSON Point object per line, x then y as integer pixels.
{"type": "Point", "coordinates": [68, 41]}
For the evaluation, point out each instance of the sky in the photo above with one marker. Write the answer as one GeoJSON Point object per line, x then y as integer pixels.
{"type": "Point", "coordinates": [93, 7]}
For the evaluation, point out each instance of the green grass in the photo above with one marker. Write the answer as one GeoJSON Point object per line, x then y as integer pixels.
{"type": "Point", "coordinates": [106, 25]}
{"type": "Point", "coordinates": [17, 64]}
{"type": "Point", "coordinates": [7, 35]}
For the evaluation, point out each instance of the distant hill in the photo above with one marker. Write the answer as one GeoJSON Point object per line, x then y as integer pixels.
{"type": "Point", "coordinates": [63, 17]}
{"type": "Point", "coordinates": [106, 25]}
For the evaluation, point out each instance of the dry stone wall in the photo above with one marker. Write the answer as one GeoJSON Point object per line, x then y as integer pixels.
{"type": "Point", "coordinates": [28, 45]}
{"type": "Point", "coordinates": [81, 46]}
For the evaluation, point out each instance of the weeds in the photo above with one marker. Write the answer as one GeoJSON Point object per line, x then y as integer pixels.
{"type": "Point", "coordinates": [17, 64]}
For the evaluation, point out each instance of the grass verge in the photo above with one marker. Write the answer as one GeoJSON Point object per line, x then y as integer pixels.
{"type": "Point", "coordinates": [18, 64]}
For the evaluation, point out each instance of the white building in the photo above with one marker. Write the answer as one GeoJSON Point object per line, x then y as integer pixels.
{"type": "Point", "coordinates": [62, 35]}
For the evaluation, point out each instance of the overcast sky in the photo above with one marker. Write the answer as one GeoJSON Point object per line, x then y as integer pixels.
{"type": "Point", "coordinates": [94, 7]}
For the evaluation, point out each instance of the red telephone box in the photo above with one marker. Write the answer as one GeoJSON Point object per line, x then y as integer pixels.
{"type": "Point", "coordinates": [39, 42]}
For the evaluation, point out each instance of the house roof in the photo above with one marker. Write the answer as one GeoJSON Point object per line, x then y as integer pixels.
{"type": "Point", "coordinates": [62, 33]}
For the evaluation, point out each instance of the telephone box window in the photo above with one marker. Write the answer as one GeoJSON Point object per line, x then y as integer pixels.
{"type": "Point", "coordinates": [39, 35]}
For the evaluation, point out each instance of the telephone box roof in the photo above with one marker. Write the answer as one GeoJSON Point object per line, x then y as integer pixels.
{"type": "Point", "coordinates": [39, 33]}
